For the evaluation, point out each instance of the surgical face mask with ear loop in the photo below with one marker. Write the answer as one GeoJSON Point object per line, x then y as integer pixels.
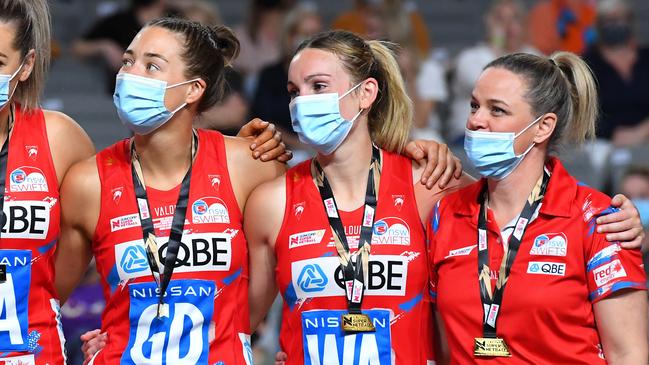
{"type": "Point", "coordinates": [5, 94]}
{"type": "Point", "coordinates": [140, 102]}
{"type": "Point", "coordinates": [317, 121]}
{"type": "Point", "coordinates": [492, 153]}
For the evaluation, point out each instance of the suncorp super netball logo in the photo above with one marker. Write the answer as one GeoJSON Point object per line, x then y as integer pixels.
{"type": "Point", "coordinates": [27, 178]}
{"type": "Point", "coordinates": [210, 210]}
{"type": "Point", "coordinates": [391, 231]}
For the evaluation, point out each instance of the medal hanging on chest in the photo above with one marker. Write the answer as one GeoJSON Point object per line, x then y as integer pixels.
{"type": "Point", "coordinates": [354, 266]}
{"type": "Point", "coordinates": [490, 345]}
{"type": "Point", "coordinates": [161, 271]}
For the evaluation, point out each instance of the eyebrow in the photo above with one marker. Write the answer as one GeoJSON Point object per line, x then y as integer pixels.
{"type": "Point", "coordinates": [148, 54]}
{"type": "Point", "coordinates": [497, 101]}
{"type": "Point", "coordinates": [3, 55]}
{"type": "Point", "coordinates": [309, 77]}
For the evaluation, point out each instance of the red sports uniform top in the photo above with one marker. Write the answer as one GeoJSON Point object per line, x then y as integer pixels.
{"type": "Point", "coordinates": [30, 329]}
{"type": "Point", "coordinates": [562, 267]}
{"type": "Point", "coordinates": [207, 297]}
{"type": "Point", "coordinates": [309, 276]}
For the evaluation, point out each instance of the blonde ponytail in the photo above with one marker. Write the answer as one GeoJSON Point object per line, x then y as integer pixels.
{"type": "Point", "coordinates": [583, 96]}
{"type": "Point", "coordinates": [391, 116]}
{"type": "Point", "coordinates": [562, 84]}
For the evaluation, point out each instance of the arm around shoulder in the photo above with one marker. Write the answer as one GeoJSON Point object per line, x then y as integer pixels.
{"type": "Point", "coordinates": [246, 173]}
{"type": "Point", "coordinates": [263, 217]}
{"type": "Point", "coordinates": [80, 205]}
{"type": "Point", "coordinates": [69, 143]}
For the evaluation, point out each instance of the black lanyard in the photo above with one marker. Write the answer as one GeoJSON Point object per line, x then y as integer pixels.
{"type": "Point", "coordinates": [148, 231]}
{"type": "Point", "coordinates": [354, 268]}
{"type": "Point", "coordinates": [491, 304]}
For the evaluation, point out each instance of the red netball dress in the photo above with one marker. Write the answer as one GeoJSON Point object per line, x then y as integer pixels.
{"type": "Point", "coordinates": [30, 328]}
{"type": "Point", "coordinates": [207, 297]}
{"type": "Point", "coordinates": [310, 279]}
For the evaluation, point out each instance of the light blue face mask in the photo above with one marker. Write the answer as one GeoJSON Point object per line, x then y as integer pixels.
{"type": "Point", "coordinates": [140, 102]}
{"type": "Point", "coordinates": [317, 121]}
{"type": "Point", "coordinates": [5, 95]}
{"type": "Point", "coordinates": [643, 207]}
{"type": "Point", "coordinates": [492, 153]}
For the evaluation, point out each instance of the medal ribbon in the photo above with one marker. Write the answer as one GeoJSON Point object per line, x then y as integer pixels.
{"type": "Point", "coordinates": [163, 278]}
{"type": "Point", "coordinates": [4, 156]}
{"type": "Point", "coordinates": [354, 268]}
{"type": "Point", "coordinates": [491, 302]}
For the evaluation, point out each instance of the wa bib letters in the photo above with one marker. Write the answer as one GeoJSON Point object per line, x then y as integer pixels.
{"type": "Point", "coordinates": [325, 343]}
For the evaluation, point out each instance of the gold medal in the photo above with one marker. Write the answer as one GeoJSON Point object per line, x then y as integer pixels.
{"type": "Point", "coordinates": [357, 323]}
{"type": "Point", "coordinates": [490, 347]}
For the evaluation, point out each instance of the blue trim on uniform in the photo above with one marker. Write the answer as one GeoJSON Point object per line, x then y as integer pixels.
{"type": "Point", "coordinates": [113, 278]}
{"type": "Point", "coordinates": [408, 305]}
{"type": "Point", "coordinates": [435, 218]}
{"type": "Point", "coordinates": [581, 183]}
{"type": "Point", "coordinates": [433, 294]}
{"type": "Point", "coordinates": [327, 254]}
{"type": "Point", "coordinates": [47, 246]}
{"type": "Point", "coordinates": [290, 296]}
{"type": "Point", "coordinates": [229, 279]}
{"type": "Point", "coordinates": [594, 264]}
{"type": "Point", "coordinates": [615, 287]}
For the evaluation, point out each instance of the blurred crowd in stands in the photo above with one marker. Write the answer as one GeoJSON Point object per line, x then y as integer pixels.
{"type": "Point", "coordinates": [603, 32]}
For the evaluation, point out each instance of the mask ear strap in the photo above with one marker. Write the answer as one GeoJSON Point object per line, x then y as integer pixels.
{"type": "Point", "coordinates": [528, 127]}
{"type": "Point", "coordinates": [356, 116]}
{"type": "Point", "coordinates": [182, 83]}
{"type": "Point", "coordinates": [350, 90]}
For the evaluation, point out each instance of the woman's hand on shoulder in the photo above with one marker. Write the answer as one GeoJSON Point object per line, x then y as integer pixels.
{"type": "Point", "coordinates": [624, 225]}
{"type": "Point", "coordinates": [266, 141]}
{"type": "Point", "coordinates": [441, 166]}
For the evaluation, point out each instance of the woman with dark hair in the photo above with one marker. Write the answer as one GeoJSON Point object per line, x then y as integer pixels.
{"type": "Point", "coordinates": [169, 180]}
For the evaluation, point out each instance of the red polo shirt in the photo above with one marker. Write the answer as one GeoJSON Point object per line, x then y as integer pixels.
{"type": "Point", "coordinates": [562, 267]}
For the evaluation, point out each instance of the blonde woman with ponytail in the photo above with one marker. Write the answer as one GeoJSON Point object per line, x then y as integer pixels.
{"type": "Point", "coordinates": [349, 218]}
{"type": "Point", "coordinates": [520, 267]}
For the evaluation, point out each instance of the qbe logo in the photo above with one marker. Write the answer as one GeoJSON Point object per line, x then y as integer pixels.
{"type": "Point", "coordinates": [325, 343]}
{"type": "Point", "coordinates": [312, 279]}
{"type": "Point", "coordinates": [197, 252]}
{"type": "Point", "coordinates": [134, 259]}
{"type": "Point", "coordinates": [181, 337]}
{"type": "Point", "coordinates": [546, 268]}
{"type": "Point", "coordinates": [210, 210]}
{"type": "Point", "coordinates": [323, 277]}
{"type": "Point", "coordinates": [27, 178]}
{"type": "Point", "coordinates": [26, 219]}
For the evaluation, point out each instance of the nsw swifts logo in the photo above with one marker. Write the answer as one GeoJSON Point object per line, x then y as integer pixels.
{"type": "Point", "coordinates": [32, 152]}
{"type": "Point", "coordinates": [210, 210]}
{"type": "Point", "coordinates": [27, 178]}
{"type": "Point", "coordinates": [391, 231]}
